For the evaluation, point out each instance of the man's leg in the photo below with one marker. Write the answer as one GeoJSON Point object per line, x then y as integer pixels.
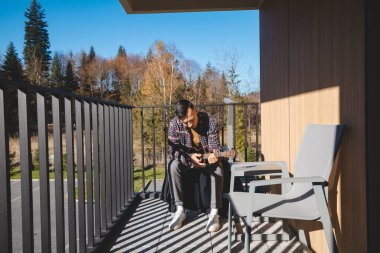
{"type": "Point", "coordinates": [176, 172]}
{"type": "Point", "coordinates": [216, 178]}
{"type": "Point", "coordinates": [217, 187]}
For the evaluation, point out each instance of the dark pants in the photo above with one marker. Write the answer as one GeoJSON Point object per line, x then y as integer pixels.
{"type": "Point", "coordinates": [216, 171]}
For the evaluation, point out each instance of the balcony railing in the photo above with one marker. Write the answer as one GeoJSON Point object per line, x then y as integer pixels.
{"type": "Point", "coordinates": [98, 165]}
{"type": "Point", "coordinates": [97, 148]}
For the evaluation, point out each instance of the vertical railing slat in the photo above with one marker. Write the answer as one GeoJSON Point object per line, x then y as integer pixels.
{"type": "Point", "coordinates": [89, 185]}
{"type": "Point", "coordinates": [154, 153]}
{"type": "Point", "coordinates": [44, 174]}
{"type": "Point", "coordinates": [234, 126]}
{"type": "Point", "coordinates": [129, 193]}
{"type": "Point", "coordinates": [142, 149]}
{"type": "Point", "coordinates": [102, 164]}
{"type": "Point", "coordinates": [165, 142]}
{"type": "Point", "coordinates": [113, 162]}
{"type": "Point", "coordinates": [125, 155]}
{"type": "Point", "coordinates": [5, 191]}
{"type": "Point", "coordinates": [71, 202]}
{"type": "Point", "coordinates": [245, 134]}
{"type": "Point", "coordinates": [222, 125]}
{"type": "Point", "coordinates": [121, 148]}
{"type": "Point", "coordinates": [258, 155]}
{"type": "Point", "coordinates": [80, 167]}
{"type": "Point", "coordinates": [26, 173]}
{"type": "Point", "coordinates": [108, 165]}
{"type": "Point", "coordinates": [117, 160]}
{"type": "Point", "coordinates": [131, 165]}
{"type": "Point", "coordinates": [59, 204]}
{"type": "Point", "coordinates": [95, 139]}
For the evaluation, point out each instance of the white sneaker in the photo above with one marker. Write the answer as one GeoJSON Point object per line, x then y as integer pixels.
{"type": "Point", "coordinates": [178, 218]}
{"type": "Point", "coordinates": [213, 223]}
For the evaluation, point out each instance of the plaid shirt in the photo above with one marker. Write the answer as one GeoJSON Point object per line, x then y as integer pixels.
{"type": "Point", "coordinates": [180, 142]}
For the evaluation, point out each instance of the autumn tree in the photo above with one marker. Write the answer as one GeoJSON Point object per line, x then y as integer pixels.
{"type": "Point", "coordinates": [36, 50]}
{"type": "Point", "coordinates": [84, 85]}
{"type": "Point", "coordinates": [162, 76]}
{"type": "Point", "coordinates": [136, 68]}
{"type": "Point", "coordinates": [100, 78]}
{"type": "Point", "coordinates": [120, 74]}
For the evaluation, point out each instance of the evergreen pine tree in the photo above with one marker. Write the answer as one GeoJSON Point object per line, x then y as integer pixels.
{"type": "Point", "coordinates": [224, 87]}
{"type": "Point", "coordinates": [56, 72]}
{"type": "Point", "coordinates": [12, 64]}
{"type": "Point", "coordinates": [233, 81]}
{"type": "Point", "coordinates": [36, 50]}
{"type": "Point", "coordinates": [70, 80]}
{"type": "Point", "coordinates": [149, 55]}
{"type": "Point", "coordinates": [121, 52]}
{"type": "Point", "coordinates": [91, 54]}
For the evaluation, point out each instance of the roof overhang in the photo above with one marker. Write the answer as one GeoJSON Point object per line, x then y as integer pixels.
{"type": "Point", "coordinates": [159, 6]}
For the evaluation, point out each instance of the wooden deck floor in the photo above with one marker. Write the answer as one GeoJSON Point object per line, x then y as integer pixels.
{"type": "Point", "coordinates": [147, 231]}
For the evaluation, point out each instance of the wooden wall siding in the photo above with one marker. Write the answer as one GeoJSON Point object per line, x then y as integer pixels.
{"type": "Point", "coordinates": [312, 71]}
{"type": "Point", "coordinates": [274, 43]}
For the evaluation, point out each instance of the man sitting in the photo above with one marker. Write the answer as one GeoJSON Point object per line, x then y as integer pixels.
{"type": "Point", "coordinates": [192, 133]}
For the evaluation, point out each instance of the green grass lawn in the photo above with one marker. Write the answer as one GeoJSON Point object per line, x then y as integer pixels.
{"type": "Point", "coordinates": [160, 174]}
{"type": "Point", "coordinates": [16, 173]}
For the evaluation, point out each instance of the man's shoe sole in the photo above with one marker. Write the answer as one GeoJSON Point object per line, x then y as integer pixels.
{"type": "Point", "coordinates": [214, 230]}
{"type": "Point", "coordinates": [175, 228]}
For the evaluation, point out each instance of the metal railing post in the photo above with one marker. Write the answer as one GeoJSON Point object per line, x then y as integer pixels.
{"type": "Point", "coordinates": [44, 174]}
{"type": "Point", "coordinates": [142, 149]}
{"type": "Point", "coordinates": [258, 154]}
{"type": "Point", "coordinates": [117, 161]}
{"type": "Point", "coordinates": [89, 185]}
{"type": "Point", "coordinates": [131, 171]}
{"type": "Point", "coordinates": [154, 152]}
{"type": "Point", "coordinates": [5, 190]}
{"type": "Point", "coordinates": [165, 141]}
{"type": "Point", "coordinates": [95, 139]}
{"type": "Point", "coordinates": [26, 173]}
{"type": "Point", "coordinates": [80, 168]}
{"type": "Point", "coordinates": [108, 165]}
{"type": "Point", "coordinates": [121, 159]}
{"type": "Point", "coordinates": [71, 202]}
{"type": "Point", "coordinates": [113, 162]}
{"type": "Point", "coordinates": [102, 165]}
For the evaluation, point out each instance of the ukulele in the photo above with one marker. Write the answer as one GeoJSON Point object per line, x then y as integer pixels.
{"type": "Point", "coordinates": [204, 154]}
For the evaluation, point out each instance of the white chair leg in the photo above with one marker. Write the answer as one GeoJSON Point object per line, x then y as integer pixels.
{"type": "Point", "coordinates": [229, 227]}
{"type": "Point", "coordinates": [327, 227]}
{"type": "Point", "coordinates": [247, 239]}
{"type": "Point", "coordinates": [325, 217]}
{"type": "Point", "coordinates": [247, 236]}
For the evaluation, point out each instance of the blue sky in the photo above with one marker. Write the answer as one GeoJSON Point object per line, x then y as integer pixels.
{"type": "Point", "coordinates": [78, 24]}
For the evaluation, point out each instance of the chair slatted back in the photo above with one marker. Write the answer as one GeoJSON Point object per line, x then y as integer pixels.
{"type": "Point", "coordinates": [318, 150]}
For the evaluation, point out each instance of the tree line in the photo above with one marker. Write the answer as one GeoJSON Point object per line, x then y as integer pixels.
{"type": "Point", "coordinates": [160, 77]}
{"type": "Point", "coordinates": [128, 78]}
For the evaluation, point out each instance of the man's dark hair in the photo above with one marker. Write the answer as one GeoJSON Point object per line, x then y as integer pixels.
{"type": "Point", "coordinates": [182, 106]}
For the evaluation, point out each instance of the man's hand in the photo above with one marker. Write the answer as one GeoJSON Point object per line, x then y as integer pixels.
{"type": "Point", "coordinates": [197, 162]}
{"type": "Point", "coordinates": [212, 158]}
